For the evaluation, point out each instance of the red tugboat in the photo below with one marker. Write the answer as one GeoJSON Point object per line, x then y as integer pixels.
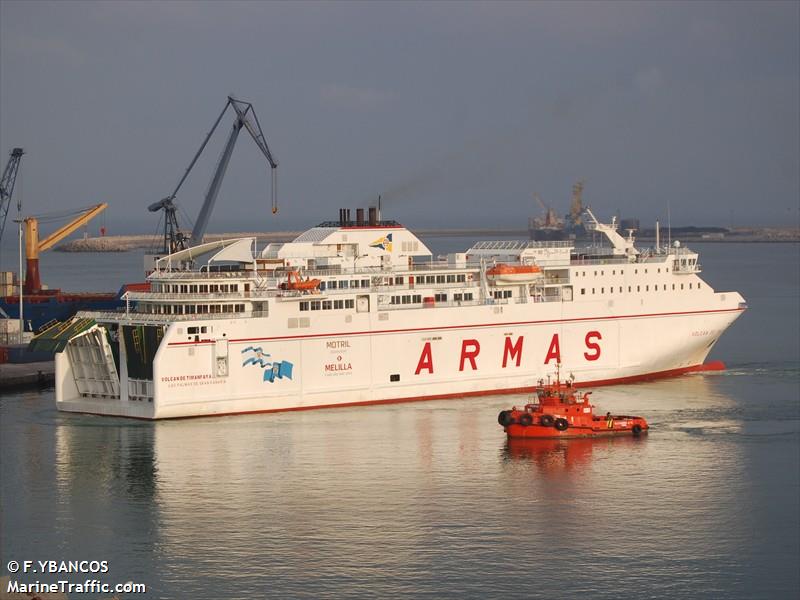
{"type": "Point", "coordinates": [558, 412]}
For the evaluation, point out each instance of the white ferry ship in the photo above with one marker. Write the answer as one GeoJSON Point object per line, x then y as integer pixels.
{"type": "Point", "coordinates": [360, 312]}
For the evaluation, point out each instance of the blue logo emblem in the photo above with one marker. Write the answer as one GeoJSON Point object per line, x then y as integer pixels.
{"type": "Point", "coordinates": [255, 356]}
{"type": "Point", "coordinates": [384, 243]}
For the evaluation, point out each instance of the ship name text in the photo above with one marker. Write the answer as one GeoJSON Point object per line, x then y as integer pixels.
{"type": "Point", "coordinates": [512, 352]}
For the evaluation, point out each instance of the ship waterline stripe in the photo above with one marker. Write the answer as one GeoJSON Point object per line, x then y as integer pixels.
{"type": "Point", "coordinates": [474, 326]}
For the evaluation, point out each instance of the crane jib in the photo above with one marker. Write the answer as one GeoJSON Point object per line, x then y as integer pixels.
{"type": "Point", "coordinates": [7, 182]}
{"type": "Point", "coordinates": [245, 117]}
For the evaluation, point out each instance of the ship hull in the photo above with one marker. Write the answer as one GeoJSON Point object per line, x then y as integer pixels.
{"type": "Point", "coordinates": [373, 359]}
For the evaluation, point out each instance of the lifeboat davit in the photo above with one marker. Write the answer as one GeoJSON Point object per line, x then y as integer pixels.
{"type": "Point", "coordinates": [297, 283]}
{"type": "Point", "coordinates": [503, 274]}
{"type": "Point", "coordinates": [558, 412]}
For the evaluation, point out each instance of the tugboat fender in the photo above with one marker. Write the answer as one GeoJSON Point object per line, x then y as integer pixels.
{"type": "Point", "coordinates": [546, 420]}
{"type": "Point", "coordinates": [525, 420]}
{"type": "Point", "coordinates": [561, 424]}
{"type": "Point", "coordinates": [636, 429]}
{"type": "Point", "coordinates": [504, 418]}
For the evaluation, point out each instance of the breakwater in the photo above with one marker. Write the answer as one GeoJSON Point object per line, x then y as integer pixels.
{"type": "Point", "coordinates": [124, 243]}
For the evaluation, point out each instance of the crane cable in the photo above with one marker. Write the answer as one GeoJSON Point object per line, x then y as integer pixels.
{"type": "Point", "coordinates": [50, 217]}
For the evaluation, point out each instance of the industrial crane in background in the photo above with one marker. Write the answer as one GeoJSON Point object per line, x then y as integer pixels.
{"type": "Point", "coordinates": [7, 186]}
{"type": "Point", "coordinates": [550, 217]}
{"type": "Point", "coordinates": [174, 239]}
{"type": "Point", "coordinates": [576, 208]}
{"type": "Point", "coordinates": [33, 247]}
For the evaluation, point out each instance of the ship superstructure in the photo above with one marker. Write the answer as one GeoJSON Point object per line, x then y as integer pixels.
{"type": "Point", "coordinates": [359, 312]}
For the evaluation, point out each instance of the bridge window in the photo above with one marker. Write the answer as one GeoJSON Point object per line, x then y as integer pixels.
{"type": "Point", "coordinates": [468, 296]}
{"type": "Point", "coordinates": [316, 305]}
{"type": "Point", "coordinates": [337, 304]}
{"type": "Point", "coordinates": [350, 303]}
{"type": "Point", "coordinates": [327, 305]}
{"type": "Point", "coordinates": [583, 291]}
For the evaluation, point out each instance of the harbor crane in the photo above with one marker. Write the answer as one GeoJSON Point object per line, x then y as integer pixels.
{"type": "Point", "coordinates": [174, 239]}
{"type": "Point", "coordinates": [7, 186]}
{"type": "Point", "coordinates": [576, 208]}
{"type": "Point", "coordinates": [33, 247]}
{"type": "Point", "coordinates": [550, 218]}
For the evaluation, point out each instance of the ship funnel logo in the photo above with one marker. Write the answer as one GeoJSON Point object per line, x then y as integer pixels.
{"type": "Point", "coordinates": [384, 243]}
{"type": "Point", "coordinates": [272, 369]}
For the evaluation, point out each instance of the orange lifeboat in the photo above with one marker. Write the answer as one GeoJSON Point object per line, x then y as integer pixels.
{"type": "Point", "coordinates": [557, 412]}
{"type": "Point", "coordinates": [510, 274]}
{"type": "Point", "coordinates": [297, 283]}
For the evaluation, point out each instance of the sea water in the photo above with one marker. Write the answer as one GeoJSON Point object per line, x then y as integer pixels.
{"type": "Point", "coordinates": [429, 500]}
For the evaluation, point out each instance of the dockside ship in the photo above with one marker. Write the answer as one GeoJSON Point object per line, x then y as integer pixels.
{"type": "Point", "coordinates": [359, 312]}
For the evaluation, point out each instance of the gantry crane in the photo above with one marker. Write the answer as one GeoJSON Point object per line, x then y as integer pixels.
{"type": "Point", "coordinates": [245, 117]}
{"type": "Point", "coordinates": [33, 247]}
{"type": "Point", "coordinates": [7, 186]}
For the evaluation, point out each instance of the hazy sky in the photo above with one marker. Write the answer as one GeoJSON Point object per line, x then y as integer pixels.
{"type": "Point", "coordinates": [455, 112]}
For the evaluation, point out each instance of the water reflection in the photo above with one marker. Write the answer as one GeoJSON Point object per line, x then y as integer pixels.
{"type": "Point", "coordinates": [553, 456]}
{"type": "Point", "coordinates": [378, 496]}
{"type": "Point", "coordinates": [107, 456]}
